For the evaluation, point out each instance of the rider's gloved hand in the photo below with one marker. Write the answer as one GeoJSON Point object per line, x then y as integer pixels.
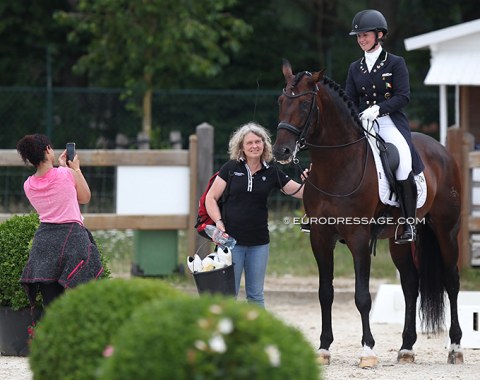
{"type": "Point", "coordinates": [370, 114]}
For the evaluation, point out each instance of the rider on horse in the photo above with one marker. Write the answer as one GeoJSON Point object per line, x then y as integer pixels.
{"type": "Point", "coordinates": [378, 84]}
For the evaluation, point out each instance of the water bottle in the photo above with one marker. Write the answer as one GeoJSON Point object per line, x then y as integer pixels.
{"type": "Point", "coordinates": [219, 237]}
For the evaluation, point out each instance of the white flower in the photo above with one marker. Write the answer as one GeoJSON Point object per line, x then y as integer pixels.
{"type": "Point", "coordinates": [252, 315]}
{"type": "Point", "coordinates": [203, 323]}
{"type": "Point", "coordinates": [217, 344]}
{"type": "Point", "coordinates": [225, 326]}
{"type": "Point", "coordinates": [215, 309]}
{"type": "Point", "coordinates": [273, 355]}
{"type": "Point", "coordinates": [200, 345]}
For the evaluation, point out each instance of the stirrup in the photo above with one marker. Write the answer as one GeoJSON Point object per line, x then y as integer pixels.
{"type": "Point", "coordinates": [408, 235]}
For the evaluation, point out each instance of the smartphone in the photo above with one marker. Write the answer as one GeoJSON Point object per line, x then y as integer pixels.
{"type": "Point", "coordinates": [70, 151]}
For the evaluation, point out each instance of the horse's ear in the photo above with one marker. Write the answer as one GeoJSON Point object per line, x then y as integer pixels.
{"type": "Point", "coordinates": [286, 69]}
{"type": "Point", "coordinates": [318, 76]}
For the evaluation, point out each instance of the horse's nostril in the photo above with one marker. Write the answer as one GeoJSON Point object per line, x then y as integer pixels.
{"type": "Point", "coordinates": [281, 152]}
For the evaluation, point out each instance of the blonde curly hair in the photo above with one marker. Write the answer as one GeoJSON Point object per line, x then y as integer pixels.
{"type": "Point", "coordinates": [235, 145]}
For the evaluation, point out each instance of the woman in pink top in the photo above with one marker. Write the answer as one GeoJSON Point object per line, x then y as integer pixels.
{"type": "Point", "coordinates": [63, 252]}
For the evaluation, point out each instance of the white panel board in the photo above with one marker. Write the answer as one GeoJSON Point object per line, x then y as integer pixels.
{"type": "Point", "coordinates": [153, 190]}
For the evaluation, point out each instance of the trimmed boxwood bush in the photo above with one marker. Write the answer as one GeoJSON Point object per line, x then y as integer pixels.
{"type": "Point", "coordinates": [208, 338]}
{"type": "Point", "coordinates": [78, 326]}
{"type": "Point", "coordinates": [16, 236]}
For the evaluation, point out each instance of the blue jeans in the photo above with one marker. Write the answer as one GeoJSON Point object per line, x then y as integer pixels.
{"type": "Point", "coordinates": [252, 259]}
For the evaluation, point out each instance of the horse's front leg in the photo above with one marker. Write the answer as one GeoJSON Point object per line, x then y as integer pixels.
{"type": "Point", "coordinates": [363, 299]}
{"type": "Point", "coordinates": [323, 252]}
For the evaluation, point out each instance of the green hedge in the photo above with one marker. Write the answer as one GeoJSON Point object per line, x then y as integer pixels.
{"type": "Point", "coordinates": [16, 235]}
{"type": "Point", "coordinates": [70, 339]}
{"type": "Point", "coordinates": [208, 338]}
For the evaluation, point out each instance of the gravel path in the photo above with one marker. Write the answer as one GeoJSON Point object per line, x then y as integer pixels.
{"type": "Point", "coordinates": [301, 309]}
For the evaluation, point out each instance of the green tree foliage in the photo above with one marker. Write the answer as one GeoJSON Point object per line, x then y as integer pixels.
{"type": "Point", "coordinates": [137, 46]}
{"type": "Point", "coordinates": [27, 31]}
{"type": "Point", "coordinates": [152, 44]}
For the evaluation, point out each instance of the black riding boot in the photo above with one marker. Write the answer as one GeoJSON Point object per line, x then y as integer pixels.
{"type": "Point", "coordinates": [407, 193]}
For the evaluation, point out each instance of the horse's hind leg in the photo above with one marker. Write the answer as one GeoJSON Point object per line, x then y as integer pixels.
{"type": "Point", "coordinates": [449, 250]}
{"type": "Point", "coordinates": [409, 279]}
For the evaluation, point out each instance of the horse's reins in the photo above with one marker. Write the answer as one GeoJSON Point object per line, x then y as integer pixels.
{"type": "Point", "coordinates": [301, 142]}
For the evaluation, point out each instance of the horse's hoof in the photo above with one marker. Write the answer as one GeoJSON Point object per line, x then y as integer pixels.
{"type": "Point", "coordinates": [368, 362]}
{"type": "Point", "coordinates": [455, 357]}
{"type": "Point", "coordinates": [323, 357]}
{"type": "Point", "coordinates": [405, 357]}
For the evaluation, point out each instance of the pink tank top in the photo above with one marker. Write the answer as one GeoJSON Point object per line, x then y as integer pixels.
{"type": "Point", "coordinates": [54, 196]}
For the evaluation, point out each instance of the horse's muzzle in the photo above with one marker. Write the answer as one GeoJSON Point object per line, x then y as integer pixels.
{"type": "Point", "coordinates": [282, 154]}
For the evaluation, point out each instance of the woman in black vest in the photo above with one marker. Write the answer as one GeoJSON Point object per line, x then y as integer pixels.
{"type": "Point", "coordinates": [378, 84]}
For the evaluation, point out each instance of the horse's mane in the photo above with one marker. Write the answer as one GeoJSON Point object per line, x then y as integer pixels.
{"type": "Point", "coordinates": [342, 95]}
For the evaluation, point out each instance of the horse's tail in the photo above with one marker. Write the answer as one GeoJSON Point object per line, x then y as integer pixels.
{"type": "Point", "coordinates": [432, 305]}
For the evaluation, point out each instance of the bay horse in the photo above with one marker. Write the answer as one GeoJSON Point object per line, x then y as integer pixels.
{"type": "Point", "coordinates": [315, 113]}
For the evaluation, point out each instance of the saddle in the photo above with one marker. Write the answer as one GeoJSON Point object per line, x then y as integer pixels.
{"type": "Point", "coordinates": [390, 160]}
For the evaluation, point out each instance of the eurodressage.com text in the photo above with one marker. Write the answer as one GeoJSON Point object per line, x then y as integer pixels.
{"type": "Point", "coordinates": [354, 220]}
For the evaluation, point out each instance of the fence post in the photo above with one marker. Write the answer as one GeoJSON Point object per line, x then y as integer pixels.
{"type": "Point", "coordinates": [193, 158]}
{"type": "Point", "coordinates": [205, 135]}
{"type": "Point", "coordinates": [456, 145]}
{"type": "Point", "coordinates": [465, 259]}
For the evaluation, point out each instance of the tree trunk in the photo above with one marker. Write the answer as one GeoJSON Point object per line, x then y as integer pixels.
{"type": "Point", "coordinates": [144, 138]}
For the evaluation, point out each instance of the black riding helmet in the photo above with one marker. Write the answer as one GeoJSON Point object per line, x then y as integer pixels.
{"type": "Point", "coordinates": [369, 20]}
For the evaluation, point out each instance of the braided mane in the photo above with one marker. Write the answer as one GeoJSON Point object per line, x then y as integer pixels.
{"type": "Point", "coordinates": [330, 83]}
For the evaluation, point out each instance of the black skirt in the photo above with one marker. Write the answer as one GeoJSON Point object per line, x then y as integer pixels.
{"type": "Point", "coordinates": [63, 253]}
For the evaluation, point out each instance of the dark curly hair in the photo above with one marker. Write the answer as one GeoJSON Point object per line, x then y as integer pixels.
{"type": "Point", "coordinates": [32, 148]}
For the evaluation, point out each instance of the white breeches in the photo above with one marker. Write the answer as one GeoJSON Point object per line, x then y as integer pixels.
{"type": "Point", "coordinates": [391, 134]}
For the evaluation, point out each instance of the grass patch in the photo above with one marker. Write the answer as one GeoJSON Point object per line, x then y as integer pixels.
{"type": "Point", "coordinates": [117, 246]}
{"type": "Point", "coordinates": [470, 279]}
{"type": "Point", "coordinates": [290, 254]}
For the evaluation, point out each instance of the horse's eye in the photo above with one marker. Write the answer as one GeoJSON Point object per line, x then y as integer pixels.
{"type": "Point", "coordinates": [304, 106]}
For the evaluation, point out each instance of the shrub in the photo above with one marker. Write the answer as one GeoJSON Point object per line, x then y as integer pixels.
{"type": "Point", "coordinates": [16, 234]}
{"type": "Point", "coordinates": [208, 338]}
{"type": "Point", "coordinates": [71, 337]}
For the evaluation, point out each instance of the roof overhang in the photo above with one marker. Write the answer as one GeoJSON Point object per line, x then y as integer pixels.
{"type": "Point", "coordinates": [455, 54]}
{"type": "Point", "coordinates": [459, 68]}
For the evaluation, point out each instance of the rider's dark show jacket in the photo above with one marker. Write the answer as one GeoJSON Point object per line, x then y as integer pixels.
{"type": "Point", "coordinates": [386, 85]}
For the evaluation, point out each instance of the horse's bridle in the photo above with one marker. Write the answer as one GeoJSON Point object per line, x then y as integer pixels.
{"type": "Point", "coordinates": [300, 133]}
{"type": "Point", "coordinates": [301, 143]}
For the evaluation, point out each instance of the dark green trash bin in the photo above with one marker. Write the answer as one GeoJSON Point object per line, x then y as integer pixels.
{"type": "Point", "coordinates": [155, 252]}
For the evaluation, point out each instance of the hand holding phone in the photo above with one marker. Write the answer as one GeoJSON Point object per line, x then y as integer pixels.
{"type": "Point", "coordinates": [70, 151]}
